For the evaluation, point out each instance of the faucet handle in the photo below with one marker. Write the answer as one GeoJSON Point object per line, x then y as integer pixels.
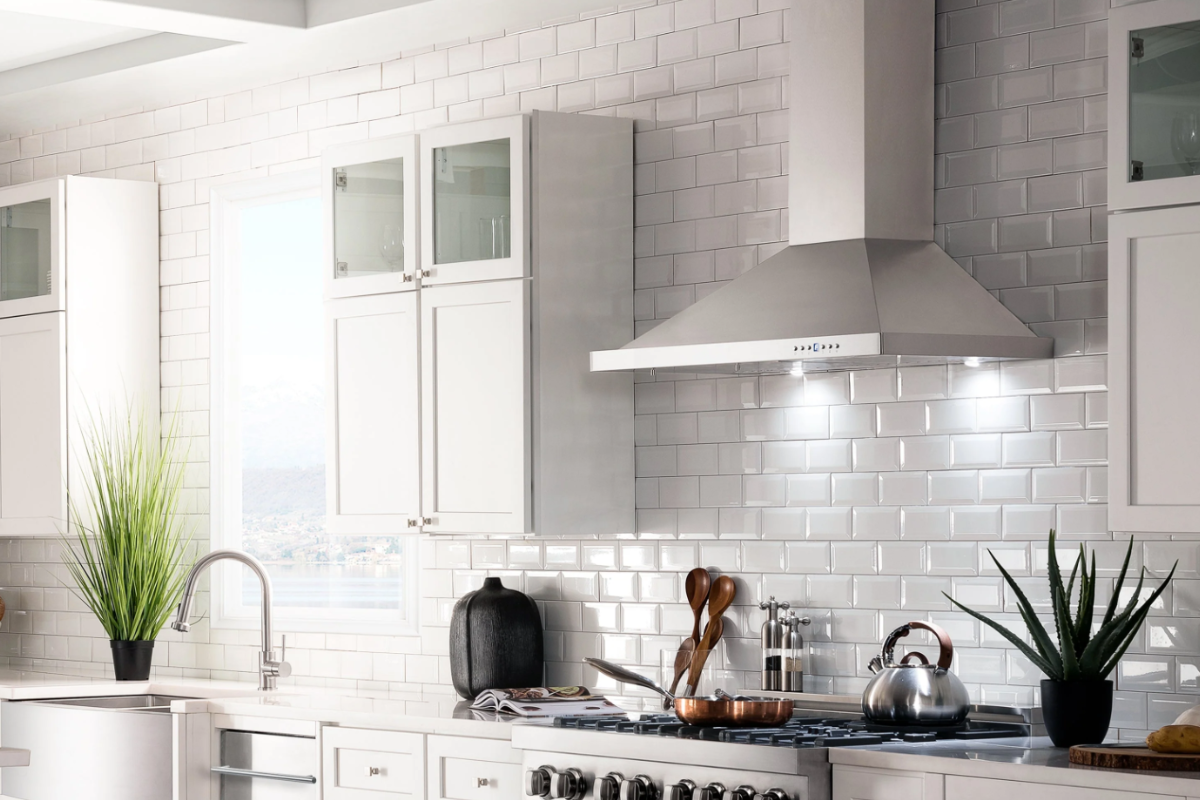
{"type": "Point", "coordinates": [283, 669]}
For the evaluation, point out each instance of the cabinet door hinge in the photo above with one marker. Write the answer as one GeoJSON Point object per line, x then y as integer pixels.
{"type": "Point", "coordinates": [1138, 48]}
{"type": "Point", "coordinates": [1137, 172]}
{"type": "Point", "coordinates": [342, 268]}
{"type": "Point", "coordinates": [339, 179]}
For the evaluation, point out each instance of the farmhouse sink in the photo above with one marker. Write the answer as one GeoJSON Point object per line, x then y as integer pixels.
{"type": "Point", "coordinates": [144, 702]}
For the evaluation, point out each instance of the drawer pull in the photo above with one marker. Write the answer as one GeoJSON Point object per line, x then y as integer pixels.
{"type": "Point", "coordinates": [481, 782]}
{"type": "Point", "coordinates": [373, 771]}
{"type": "Point", "coordinates": [270, 776]}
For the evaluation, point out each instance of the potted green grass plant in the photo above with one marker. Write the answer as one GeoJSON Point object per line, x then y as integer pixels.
{"type": "Point", "coordinates": [1076, 693]}
{"type": "Point", "coordinates": [126, 548]}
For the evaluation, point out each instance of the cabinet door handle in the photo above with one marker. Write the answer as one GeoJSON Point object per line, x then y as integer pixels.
{"type": "Point", "coordinates": [426, 520]}
{"type": "Point", "coordinates": [481, 782]}
{"type": "Point", "coordinates": [373, 771]}
{"type": "Point", "coordinates": [412, 523]}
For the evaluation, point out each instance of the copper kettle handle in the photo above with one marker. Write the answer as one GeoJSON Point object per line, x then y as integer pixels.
{"type": "Point", "coordinates": [946, 648]}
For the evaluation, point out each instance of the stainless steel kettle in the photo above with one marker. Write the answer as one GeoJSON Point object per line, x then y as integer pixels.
{"type": "Point", "coordinates": [916, 693]}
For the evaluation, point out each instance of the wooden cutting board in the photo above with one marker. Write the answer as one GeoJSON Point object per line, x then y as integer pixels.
{"type": "Point", "coordinates": [1132, 758]}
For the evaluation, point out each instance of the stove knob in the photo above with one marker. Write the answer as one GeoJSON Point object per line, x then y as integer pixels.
{"type": "Point", "coordinates": [679, 791]}
{"type": "Point", "coordinates": [714, 791]}
{"type": "Point", "coordinates": [567, 785]}
{"type": "Point", "coordinates": [609, 787]}
{"type": "Point", "coordinates": [537, 781]}
{"type": "Point", "coordinates": [742, 792]}
{"type": "Point", "coordinates": [639, 787]}
{"type": "Point", "coordinates": [772, 794]}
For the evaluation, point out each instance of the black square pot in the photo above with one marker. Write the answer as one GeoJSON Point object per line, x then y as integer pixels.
{"type": "Point", "coordinates": [1076, 712]}
{"type": "Point", "coordinates": [131, 660]}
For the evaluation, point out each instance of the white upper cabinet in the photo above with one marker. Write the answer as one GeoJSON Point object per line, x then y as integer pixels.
{"type": "Point", "coordinates": [374, 464]}
{"type": "Point", "coordinates": [1154, 433]}
{"type": "Point", "coordinates": [60, 369]}
{"type": "Point", "coordinates": [1154, 104]}
{"type": "Point", "coordinates": [371, 218]}
{"type": "Point", "coordinates": [461, 401]}
{"type": "Point", "coordinates": [475, 387]}
{"type": "Point", "coordinates": [32, 248]}
{"type": "Point", "coordinates": [475, 201]}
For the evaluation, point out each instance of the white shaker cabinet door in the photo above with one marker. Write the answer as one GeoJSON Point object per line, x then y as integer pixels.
{"type": "Point", "coordinates": [33, 414]}
{"type": "Point", "coordinates": [373, 411]}
{"type": "Point", "coordinates": [475, 407]}
{"type": "Point", "coordinates": [1154, 331]}
{"type": "Point", "coordinates": [862, 783]}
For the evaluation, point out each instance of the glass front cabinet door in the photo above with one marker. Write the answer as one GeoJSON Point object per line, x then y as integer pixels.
{"type": "Point", "coordinates": [31, 248]}
{"type": "Point", "coordinates": [1154, 104]}
{"type": "Point", "coordinates": [371, 225]}
{"type": "Point", "coordinates": [475, 179]}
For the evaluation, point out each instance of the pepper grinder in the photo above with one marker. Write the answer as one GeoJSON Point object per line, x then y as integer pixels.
{"type": "Point", "coordinates": [772, 645]}
{"type": "Point", "coordinates": [793, 652]}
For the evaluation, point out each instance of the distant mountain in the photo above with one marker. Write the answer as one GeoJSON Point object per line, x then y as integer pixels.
{"type": "Point", "coordinates": [283, 426]}
{"type": "Point", "coordinates": [271, 491]}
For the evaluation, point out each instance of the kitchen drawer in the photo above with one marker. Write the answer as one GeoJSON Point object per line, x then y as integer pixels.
{"type": "Point", "coordinates": [373, 765]}
{"type": "Point", "coordinates": [472, 769]}
{"type": "Point", "coordinates": [963, 788]}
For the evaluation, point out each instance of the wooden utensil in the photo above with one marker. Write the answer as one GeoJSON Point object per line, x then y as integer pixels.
{"type": "Point", "coordinates": [697, 586]}
{"type": "Point", "coordinates": [683, 658]}
{"type": "Point", "coordinates": [720, 597]}
{"type": "Point", "coordinates": [1117, 757]}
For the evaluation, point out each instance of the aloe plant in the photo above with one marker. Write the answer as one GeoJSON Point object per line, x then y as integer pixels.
{"type": "Point", "coordinates": [1080, 653]}
{"type": "Point", "coordinates": [127, 553]}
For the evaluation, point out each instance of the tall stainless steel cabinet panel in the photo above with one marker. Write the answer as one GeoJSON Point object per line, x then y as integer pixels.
{"type": "Point", "coordinates": [97, 754]}
{"type": "Point", "coordinates": [1154, 333]}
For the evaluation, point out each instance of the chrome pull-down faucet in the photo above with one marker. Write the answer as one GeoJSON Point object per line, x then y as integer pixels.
{"type": "Point", "coordinates": [270, 670]}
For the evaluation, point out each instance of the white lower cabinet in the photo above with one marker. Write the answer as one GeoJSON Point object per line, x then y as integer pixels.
{"type": "Point", "coordinates": [960, 787]}
{"type": "Point", "coordinates": [472, 769]}
{"type": "Point", "coordinates": [359, 764]}
{"type": "Point", "coordinates": [862, 783]}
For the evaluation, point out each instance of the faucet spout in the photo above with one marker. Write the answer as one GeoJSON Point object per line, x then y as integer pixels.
{"type": "Point", "coordinates": [269, 669]}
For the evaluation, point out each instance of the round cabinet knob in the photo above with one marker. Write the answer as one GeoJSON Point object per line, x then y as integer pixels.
{"type": "Point", "coordinates": [679, 791]}
{"type": "Point", "coordinates": [714, 791]}
{"type": "Point", "coordinates": [537, 781]}
{"type": "Point", "coordinates": [639, 787]}
{"type": "Point", "coordinates": [609, 787]}
{"type": "Point", "coordinates": [772, 794]}
{"type": "Point", "coordinates": [742, 792]}
{"type": "Point", "coordinates": [567, 785]}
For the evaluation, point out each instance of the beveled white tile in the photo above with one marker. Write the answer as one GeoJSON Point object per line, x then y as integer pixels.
{"type": "Point", "coordinates": [763, 490]}
{"type": "Point", "coordinates": [1083, 447]}
{"type": "Point", "coordinates": [852, 422]}
{"type": "Point", "coordinates": [579, 586]}
{"type": "Point", "coordinates": [658, 587]}
{"type": "Point", "coordinates": [951, 416]}
{"type": "Point", "coordinates": [1002, 414]}
{"type": "Point", "coordinates": [696, 522]}
{"type": "Point", "coordinates": [723, 556]}
{"type": "Point", "coordinates": [981, 381]}
{"type": "Point", "coordinates": [974, 523]}
{"type": "Point", "coordinates": [639, 556]}
{"type": "Point", "coordinates": [919, 523]}
{"type": "Point", "coordinates": [853, 558]}
{"type": "Point", "coordinates": [783, 523]}
{"type": "Point", "coordinates": [877, 524]}
{"type": "Point", "coordinates": [951, 488]}
{"type": "Point", "coordinates": [763, 556]}
{"type": "Point", "coordinates": [697, 459]}
{"type": "Point", "coordinates": [696, 395]}
{"type": "Point", "coordinates": [720, 490]}
{"type": "Point", "coordinates": [808, 557]}
{"type": "Point", "coordinates": [1083, 520]}
{"type": "Point", "coordinates": [1005, 486]}
{"type": "Point", "coordinates": [827, 389]}
{"type": "Point", "coordinates": [1062, 485]}
{"type": "Point", "coordinates": [1028, 522]}
{"type": "Point", "coordinates": [900, 419]}
{"type": "Point", "coordinates": [974, 451]}
{"type": "Point", "coordinates": [855, 489]}
{"type": "Point", "coordinates": [783, 457]}
{"type": "Point", "coordinates": [1096, 410]}
{"type": "Point", "coordinates": [1097, 485]}
{"type": "Point", "coordinates": [902, 488]}
{"type": "Point", "coordinates": [922, 383]}
{"type": "Point", "coordinates": [765, 424]}
{"type": "Point", "coordinates": [599, 618]}
{"type": "Point", "coordinates": [1057, 412]}
{"type": "Point", "coordinates": [828, 524]}
{"type": "Point", "coordinates": [925, 593]}
{"type": "Point", "coordinates": [1081, 374]}
{"type": "Point", "coordinates": [924, 452]}
{"type": "Point", "coordinates": [873, 386]}
{"type": "Point", "coordinates": [1026, 377]}
{"type": "Point", "coordinates": [1028, 449]}
{"type": "Point", "coordinates": [833, 455]}
{"type": "Point", "coordinates": [876, 455]}
{"type": "Point", "coordinates": [809, 490]}
{"type": "Point", "coordinates": [951, 558]}
{"type": "Point", "coordinates": [782, 390]}
{"type": "Point", "coordinates": [737, 393]}
{"type": "Point", "coordinates": [830, 591]}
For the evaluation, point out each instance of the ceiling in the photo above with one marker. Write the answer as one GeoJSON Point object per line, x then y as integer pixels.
{"type": "Point", "coordinates": [63, 60]}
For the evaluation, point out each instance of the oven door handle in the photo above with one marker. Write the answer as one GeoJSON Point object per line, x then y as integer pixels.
{"type": "Point", "coordinates": [270, 776]}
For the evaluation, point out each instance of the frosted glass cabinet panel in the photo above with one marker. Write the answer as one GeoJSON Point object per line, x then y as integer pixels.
{"type": "Point", "coordinates": [1154, 104]}
{"type": "Point", "coordinates": [1154, 431]}
{"type": "Point", "coordinates": [475, 178]}
{"type": "Point", "coordinates": [30, 248]}
{"type": "Point", "coordinates": [371, 230]}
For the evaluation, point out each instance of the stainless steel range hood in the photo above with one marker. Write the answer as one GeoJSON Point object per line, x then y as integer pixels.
{"type": "Point", "coordinates": [862, 284]}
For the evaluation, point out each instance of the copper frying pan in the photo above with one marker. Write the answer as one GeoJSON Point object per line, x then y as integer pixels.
{"type": "Point", "coordinates": [721, 711]}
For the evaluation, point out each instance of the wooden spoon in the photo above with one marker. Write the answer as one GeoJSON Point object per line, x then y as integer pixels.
{"type": "Point", "coordinates": [683, 658]}
{"type": "Point", "coordinates": [720, 597]}
{"type": "Point", "coordinates": [697, 586]}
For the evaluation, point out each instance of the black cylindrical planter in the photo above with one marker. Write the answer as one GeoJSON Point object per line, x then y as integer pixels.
{"type": "Point", "coordinates": [131, 660]}
{"type": "Point", "coordinates": [495, 641]}
{"type": "Point", "coordinates": [1076, 712]}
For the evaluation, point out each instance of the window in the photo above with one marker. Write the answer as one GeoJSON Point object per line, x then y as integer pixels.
{"type": "Point", "coordinates": [269, 427]}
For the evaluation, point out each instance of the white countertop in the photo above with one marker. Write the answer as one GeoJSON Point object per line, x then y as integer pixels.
{"type": "Point", "coordinates": [1032, 760]}
{"type": "Point", "coordinates": [415, 711]}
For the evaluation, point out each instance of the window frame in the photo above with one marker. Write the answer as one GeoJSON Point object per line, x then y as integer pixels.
{"type": "Point", "coordinates": [226, 203]}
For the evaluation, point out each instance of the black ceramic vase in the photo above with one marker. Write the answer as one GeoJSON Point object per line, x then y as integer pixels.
{"type": "Point", "coordinates": [495, 641]}
{"type": "Point", "coordinates": [131, 660]}
{"type": "Point", "coordinates": [1076, 712]}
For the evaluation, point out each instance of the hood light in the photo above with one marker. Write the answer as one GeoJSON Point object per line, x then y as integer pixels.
{"type": "Point", "coordinates": [972, 361]}
{"type": "Point", "coordinates": [797, 367]}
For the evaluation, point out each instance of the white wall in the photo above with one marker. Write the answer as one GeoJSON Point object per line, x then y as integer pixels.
{"type": "Point", "coordinates": [909, 478]}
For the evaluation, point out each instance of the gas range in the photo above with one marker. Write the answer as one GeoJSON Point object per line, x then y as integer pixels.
{"type": "Point", "coordinates": [654, 756]}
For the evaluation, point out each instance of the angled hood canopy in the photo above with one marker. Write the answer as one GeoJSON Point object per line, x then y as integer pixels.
{"type": "Point", "coordinates": [862, 283]}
